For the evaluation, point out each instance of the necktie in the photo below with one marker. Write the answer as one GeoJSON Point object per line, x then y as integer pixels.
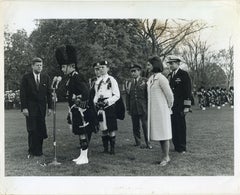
{"type": "Point", "coordinates": [135, 82]}
{"type": "Point", "coordinates": [38, 81]}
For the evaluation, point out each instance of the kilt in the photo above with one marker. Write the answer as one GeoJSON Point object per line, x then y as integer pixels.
{"type": "Point", "coordinates": [111, 118]}
{"type": "Point", "coordinates": [78, 127]}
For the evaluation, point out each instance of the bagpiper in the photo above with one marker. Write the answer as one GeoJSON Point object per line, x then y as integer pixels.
{"type": "Point", "coordinates": [81, 116]}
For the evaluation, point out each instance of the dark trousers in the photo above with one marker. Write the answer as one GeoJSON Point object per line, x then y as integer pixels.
{"type": "Point", "coordinates": [36, 129]}
{"type": "Point", "coordinates": [178, 131]}
{"type": "Point", "coordinates": [136, 128]}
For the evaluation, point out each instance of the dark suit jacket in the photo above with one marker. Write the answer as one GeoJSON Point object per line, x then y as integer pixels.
{"type": "Point", "coordinates": [180, 84]}
{"type": "Point", "coordinates": [34, 99]}
{"type": "Point", "coordinates": [136, 99]}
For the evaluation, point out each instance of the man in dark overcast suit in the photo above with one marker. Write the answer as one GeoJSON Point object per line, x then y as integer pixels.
{"type": "Point", "coordinates": [180, 84]}
{"type": "Point", "coordinates": [35, 94]}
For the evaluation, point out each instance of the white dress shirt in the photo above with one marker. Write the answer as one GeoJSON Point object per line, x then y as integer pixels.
{"type": "Point", "coordinates": [36, 76]}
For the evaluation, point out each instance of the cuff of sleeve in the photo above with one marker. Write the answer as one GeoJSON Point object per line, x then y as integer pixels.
{"type": "Point", "coordinates": [187, 103]}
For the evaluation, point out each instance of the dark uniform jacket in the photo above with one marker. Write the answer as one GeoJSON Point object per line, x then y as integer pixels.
{"type": "Point", "coordinates": [34, 99]}
{"type": "Point", "coordinates": [180, 84]}
{"type": "Point", "coordinates": [77, 85]}
{"type": "Point", "coordinates": [136, 98]}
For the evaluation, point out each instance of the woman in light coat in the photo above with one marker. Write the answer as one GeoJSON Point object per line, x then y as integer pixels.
{"type": "Point", "coordinates": [160, 101]}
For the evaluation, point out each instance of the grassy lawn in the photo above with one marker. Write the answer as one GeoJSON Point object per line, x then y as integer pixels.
{"type": "Point", "coordinates": [210, 141]}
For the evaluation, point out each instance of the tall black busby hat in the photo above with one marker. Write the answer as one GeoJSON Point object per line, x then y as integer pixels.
{"type": "Point", "coordinates": [66, 54]}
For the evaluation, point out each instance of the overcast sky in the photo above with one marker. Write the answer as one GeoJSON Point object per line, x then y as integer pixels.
{"type": "Point", "coordinates": [222, 16]}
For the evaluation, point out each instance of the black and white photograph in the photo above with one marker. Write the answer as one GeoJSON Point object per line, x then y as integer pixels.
{"type": "Point", "coordinates": [120, 97]}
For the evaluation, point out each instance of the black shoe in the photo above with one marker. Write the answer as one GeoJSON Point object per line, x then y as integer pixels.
{"type": "Point", "coordinates": [136, 145]}
{"type": "Point", "coordinates": [149, 147]}
{"type": "Point", "coordinates": [182, 152]}
{"type": "Point", "coordinates": [105, 151]}
{"type": "Point", "coordinates": [112, 152]}
{"type": "Point", "coordinates": [146, 147]}
{"type": "Point", "coordinates": [30, 156]}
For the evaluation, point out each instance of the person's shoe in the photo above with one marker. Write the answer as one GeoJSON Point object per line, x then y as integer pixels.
{"type": "Point", "coordinates": [182, 151]}
{"type": "Point", "coordinates": [136, 145]}
{"type": "Point", "coordinates": [149, 146]}
{"type": "Point", "coordinates": [83, 159]}
{"type": "Point", "coordinates": [29, 156]}
{"type": "Point", "coordinates": [42, 163]}
{"type": "Point", "coordinates": [76, 159]}
{"type": "Point", "coordinates": [105, 151]}
{"type": "Point", "coordinates": [164, 162]}
{"type": "Point", "coordinates": [146, 147]}
{"type": "Point", "coordinates": [112, 151]}
{"type": "Point", "coordinates": [40, 160]}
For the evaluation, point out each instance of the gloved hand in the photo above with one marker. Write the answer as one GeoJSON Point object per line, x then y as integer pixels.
{"type": "Point", "coordinates": [96, 129]}
{"type": "Point", "coordinates": [82, 104]}
{"type": "Point", "coordinates": [187, 110]}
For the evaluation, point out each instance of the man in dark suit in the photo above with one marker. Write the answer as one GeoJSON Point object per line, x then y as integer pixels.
{"type": "Point", "coordinates": [136, 102]}
{"type": "Point", "coordinates": [35, 94]}
{"type": "Point", "coordinates": [180, 84]}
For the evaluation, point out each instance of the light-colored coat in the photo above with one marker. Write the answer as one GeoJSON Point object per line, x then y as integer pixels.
{"type": "Point", "coordinates": [160, 101]}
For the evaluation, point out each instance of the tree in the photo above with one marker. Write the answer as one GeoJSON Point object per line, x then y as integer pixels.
{"type": "Point", "coordinates": [196, 55]}
{"type": "Point", "coordinates": [164, 36]}
{"type": "Point", "coordinates": [95, 39]}
{"type": "Point", "coordinates": [225, 60]}
{"type": "Point", "coordinates": [215, 76]}
{"type": "Point", "coordinates": [17, 57]}
{"type": "Point", "coordinates": [204, 67]}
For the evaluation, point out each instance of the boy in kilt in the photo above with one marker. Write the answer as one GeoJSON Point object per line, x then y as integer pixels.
{"type": "Point", "coordinates": [106, 95]}
{"type": "Point", "coordinates": [81, 115]}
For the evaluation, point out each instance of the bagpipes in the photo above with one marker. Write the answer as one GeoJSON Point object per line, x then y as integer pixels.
{"type": "Point", "coordinates": [76, 114]}
{"type": "Point", "coordinates": [101, 105]}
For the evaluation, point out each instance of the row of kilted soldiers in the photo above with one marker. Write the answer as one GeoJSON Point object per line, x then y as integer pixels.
{"type": "Point", "coordinates": [215, 97]}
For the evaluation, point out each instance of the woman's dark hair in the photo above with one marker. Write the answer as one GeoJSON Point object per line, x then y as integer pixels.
{"type": "Point", "coordinates": [156, 63]}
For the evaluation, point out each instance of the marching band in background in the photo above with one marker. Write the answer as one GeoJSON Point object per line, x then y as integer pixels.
{"type": "Point", "coordinates": [215, 96]}
{"type": "Point", "coordinates": [160, 103]}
